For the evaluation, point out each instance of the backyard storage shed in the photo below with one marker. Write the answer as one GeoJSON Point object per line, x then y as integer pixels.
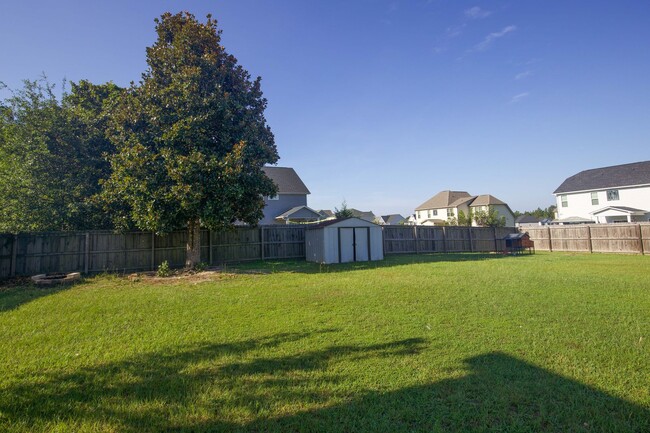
{"type": "Point", "coordinates": [344, 240]}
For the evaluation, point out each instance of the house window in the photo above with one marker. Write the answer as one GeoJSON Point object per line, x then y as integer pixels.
{"type": "Point", "coordinates": [612, 195]}
{"type": "Point", "coordinates": [274, 197]}
{"type": "Point", "coordinates": [594, 198]}
{"type": "Point", "coordinates": [450, 212]}
{"type": "Point", "coordinates": [435, 212]}
{"type": "Point", "coordinates": [565, 201]}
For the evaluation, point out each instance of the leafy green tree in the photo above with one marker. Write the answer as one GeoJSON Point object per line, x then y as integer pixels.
{"type": "Point", "coordinates": [489, 218]}
{"type": "Point", "coordinates": [344, 212]}
{"type": "Point", "coordinates": [191, 137]}
{"type": "Point", "coordinates": [51, 158]}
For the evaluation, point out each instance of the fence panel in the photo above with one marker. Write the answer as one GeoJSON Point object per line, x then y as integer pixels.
{"type": "Point", "coordinates": [241, 243]}
{"type": "Point", "coordinates": [644, 229]}
{"type": "Point", "coordinates": [570, 238]}
{"type": "Point", "coordinates": [540, 235]}
{"type": "Point", "coordinates": [39, 253]}
{"type": "Point", "coordinates": [6, 253]}
{"type": "Point", "coordinates": [457, 239]}
{"type": "Point", "coordinates": [284, 242]}
{"type": "Point", "coordinates": [616, 238]}
{"type": "Point", "coordinates": [430, 239]}
{"type": "Point", "coordinates": [399, 239]}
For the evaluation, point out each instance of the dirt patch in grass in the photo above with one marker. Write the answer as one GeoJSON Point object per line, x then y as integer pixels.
{"type": "Point", "coordinates": [193, 276]}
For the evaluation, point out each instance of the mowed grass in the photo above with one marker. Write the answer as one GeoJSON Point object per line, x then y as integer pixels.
{"type": "Point", "coordinates": [550, 342]}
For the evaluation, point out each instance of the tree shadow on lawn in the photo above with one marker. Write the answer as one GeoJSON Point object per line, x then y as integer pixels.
{"type": "Point", "coordinates": [390, 261]}
{"type": "Point", "coordinates": [13, 294]}
{"type": "Point", "coordinates": [221, 387]}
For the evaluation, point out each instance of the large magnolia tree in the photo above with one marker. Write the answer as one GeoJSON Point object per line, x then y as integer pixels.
{"type": "Point", "coordinates": [191, 138]}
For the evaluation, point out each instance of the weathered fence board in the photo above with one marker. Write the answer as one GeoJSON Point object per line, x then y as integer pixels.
{"type": "Point", "coordinates": [450, 239]}
{"type": "Point", "coordinates": [628, 238]}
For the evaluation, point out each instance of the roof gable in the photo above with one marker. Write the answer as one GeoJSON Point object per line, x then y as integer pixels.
{"type": "Point", "coordinates": [636, 173]}
{"type": "Point", "coordinates": [443, 199]}
{"type": "Point", "coordinates": [486, 200]}
{"type": "Point", "coordinates": [286, 179]}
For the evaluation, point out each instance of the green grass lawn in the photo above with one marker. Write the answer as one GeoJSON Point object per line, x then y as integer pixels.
{"type": "Point", "coordinates": [551, 342]}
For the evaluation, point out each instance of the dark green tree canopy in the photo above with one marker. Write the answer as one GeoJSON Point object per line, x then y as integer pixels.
{"type": "Point", "coordinates": [191, 137]}
{"type": "Point", "coordinates": [52, 156]}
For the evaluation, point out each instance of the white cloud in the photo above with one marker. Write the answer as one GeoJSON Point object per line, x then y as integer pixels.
{"type": "Point", "coordinates": [519, 97]}
{"type": "Point", "coordinates": [489, 39]}
{"type": "Point", "coordinates": [476, 13]}
{"type": "Point", "coordinates": [522, 75]}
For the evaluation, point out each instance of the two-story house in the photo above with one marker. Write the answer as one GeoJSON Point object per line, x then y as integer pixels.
{"type": "Point", "coordinates": [289, 205]}
{"type": "Point", "coordinates": [620, 193]}
{"type": "Point", "coordinates": [446, 206]}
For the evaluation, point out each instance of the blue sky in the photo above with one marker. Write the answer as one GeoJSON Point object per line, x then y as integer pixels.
{"type": "Point", "coordinates": [385, 103]}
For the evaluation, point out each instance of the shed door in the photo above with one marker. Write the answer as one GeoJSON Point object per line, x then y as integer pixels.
{"type": "Point", "coordinates": [361, 244]}
{"type": "Point", "coordinates": [346, 238]}
{"type": "Point", "coordinates": [354, 244]}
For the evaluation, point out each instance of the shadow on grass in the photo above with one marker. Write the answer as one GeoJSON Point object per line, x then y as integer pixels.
{"type": "Point", "coordinates": [13, 294]}
{"type": "Point", "coordinates": [243, 387]}
{"type": "Point", "coordinates": [390, 261]}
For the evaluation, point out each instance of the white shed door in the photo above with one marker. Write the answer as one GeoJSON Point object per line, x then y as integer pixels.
{"type": "Point", "coordinates": [347, 245]}
{"type": "Point", "coordinates": [361, 244]}
{"type": "Point", "coordinates": [354, 244]}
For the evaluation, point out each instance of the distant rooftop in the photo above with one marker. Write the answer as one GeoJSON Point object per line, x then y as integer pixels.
{"type": "Point", "coordinates": [636, 173]}
{"type": "Point", "coordinates": [286, 179]}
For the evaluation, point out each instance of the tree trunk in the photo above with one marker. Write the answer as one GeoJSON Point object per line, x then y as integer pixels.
{"type": "Point", "coordinates": [193, 249]}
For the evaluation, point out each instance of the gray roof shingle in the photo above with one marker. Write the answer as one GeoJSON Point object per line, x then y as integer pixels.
{"type": "Point", "coordinates": [636, 173]}
{"type": "Point", "coordinates": [286, 179]}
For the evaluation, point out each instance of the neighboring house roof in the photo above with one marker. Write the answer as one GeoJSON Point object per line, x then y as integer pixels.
{"type": "Point", "coordinates": [368, 216]}
{"type": "Point", "coordinates": [326, 213]}
{"type": "Point", "coordinates": [636, 173]}
{"type": "Point", "coordinates": [572, 220]}
{"type": "Point", "coordinates": [527, 219]}
{"type": "Point", "coordinates": [300, 212]}
{"type": "Point", "coordinates": [392, 218]}
{"type": "Point", "coordinates": [286, 179]}
{"type": "Point", "coordinates": [622, 209]}
{"type": "Point", "coordinates": [486, 200]}
{"type": "Point", "coordinates": [443, 199]}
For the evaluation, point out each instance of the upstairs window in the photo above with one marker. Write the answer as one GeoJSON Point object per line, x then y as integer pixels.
{"type": "Point", "coordinates": [450, 212]}
{"type": "Point", "coordinates": [429, 213]}
{"type": "Point", "coordinates": [435, 212]}
{"type": "Point", "coordinates": [594, 198]}
{"type": "Point", "coordinates": [612, 195]}
{"type": "Point", "coordinates": [564, 200]}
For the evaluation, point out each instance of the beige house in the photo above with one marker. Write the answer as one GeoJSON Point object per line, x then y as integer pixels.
{"type": "Point", "coordinates": [445, 207]}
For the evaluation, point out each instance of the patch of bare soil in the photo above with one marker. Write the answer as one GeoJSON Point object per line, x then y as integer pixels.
{"type": "Point", "coordinates": [191, 275]}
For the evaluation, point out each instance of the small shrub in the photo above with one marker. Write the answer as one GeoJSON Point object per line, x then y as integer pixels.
{"type": "Point", "coordinates": [200, 267]}
{"type": "Point", "coordinates": [163, 269]}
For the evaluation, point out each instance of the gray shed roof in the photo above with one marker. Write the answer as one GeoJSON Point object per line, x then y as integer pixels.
{"type": "Point", "coordinates": [286, 179]}
{"type": "Point", "coordinates": [526, 219]}
{"type": "Point", "coordinates": [636, 173]}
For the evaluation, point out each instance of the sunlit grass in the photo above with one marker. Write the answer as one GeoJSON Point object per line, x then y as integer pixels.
{"type": "Point", "coordinates": [551, 342]}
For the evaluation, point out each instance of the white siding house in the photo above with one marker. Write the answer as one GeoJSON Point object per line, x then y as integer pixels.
{"type": "Point", "coordinates": [619, 193]}
{"type": "Point", "coordinates": [446, 206]}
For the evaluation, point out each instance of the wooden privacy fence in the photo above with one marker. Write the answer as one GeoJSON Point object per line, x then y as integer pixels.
{"type": "Point", "coordinates": [106, 251]}
{"type": "Point", "coordinates": [101, 251]}
{"type": "Point", "coordinates": [592, 238]}
{"type": "Point", "coordinates": [450, 239]}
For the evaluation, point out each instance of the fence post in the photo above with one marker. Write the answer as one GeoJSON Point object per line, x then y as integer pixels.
{"type": "Point", "coordinates": [210, 247]}
{"type": "Point", "coordinates": [415, 236]}
{"type": "Point", "coordinates": [496, 245]}
{"type": "Point", "coordinates": [14, 256]}
{"type": "Point", "coordinates": [589, 239]}
{"type": "Point", "coordinates": [262, 242]}
{"type": "Point", "coordinates": [444, 239]}
{"type": "Point", "coordinates": [550, 241]}
{"type": "Point", "coordinates": [87, 253]}
{"type": "Point", "coordinates": [153, 251]}
{"type": "Point", "coordinates": [471, 244]}
{"type": "Point", "coordinates": [640, 235]}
